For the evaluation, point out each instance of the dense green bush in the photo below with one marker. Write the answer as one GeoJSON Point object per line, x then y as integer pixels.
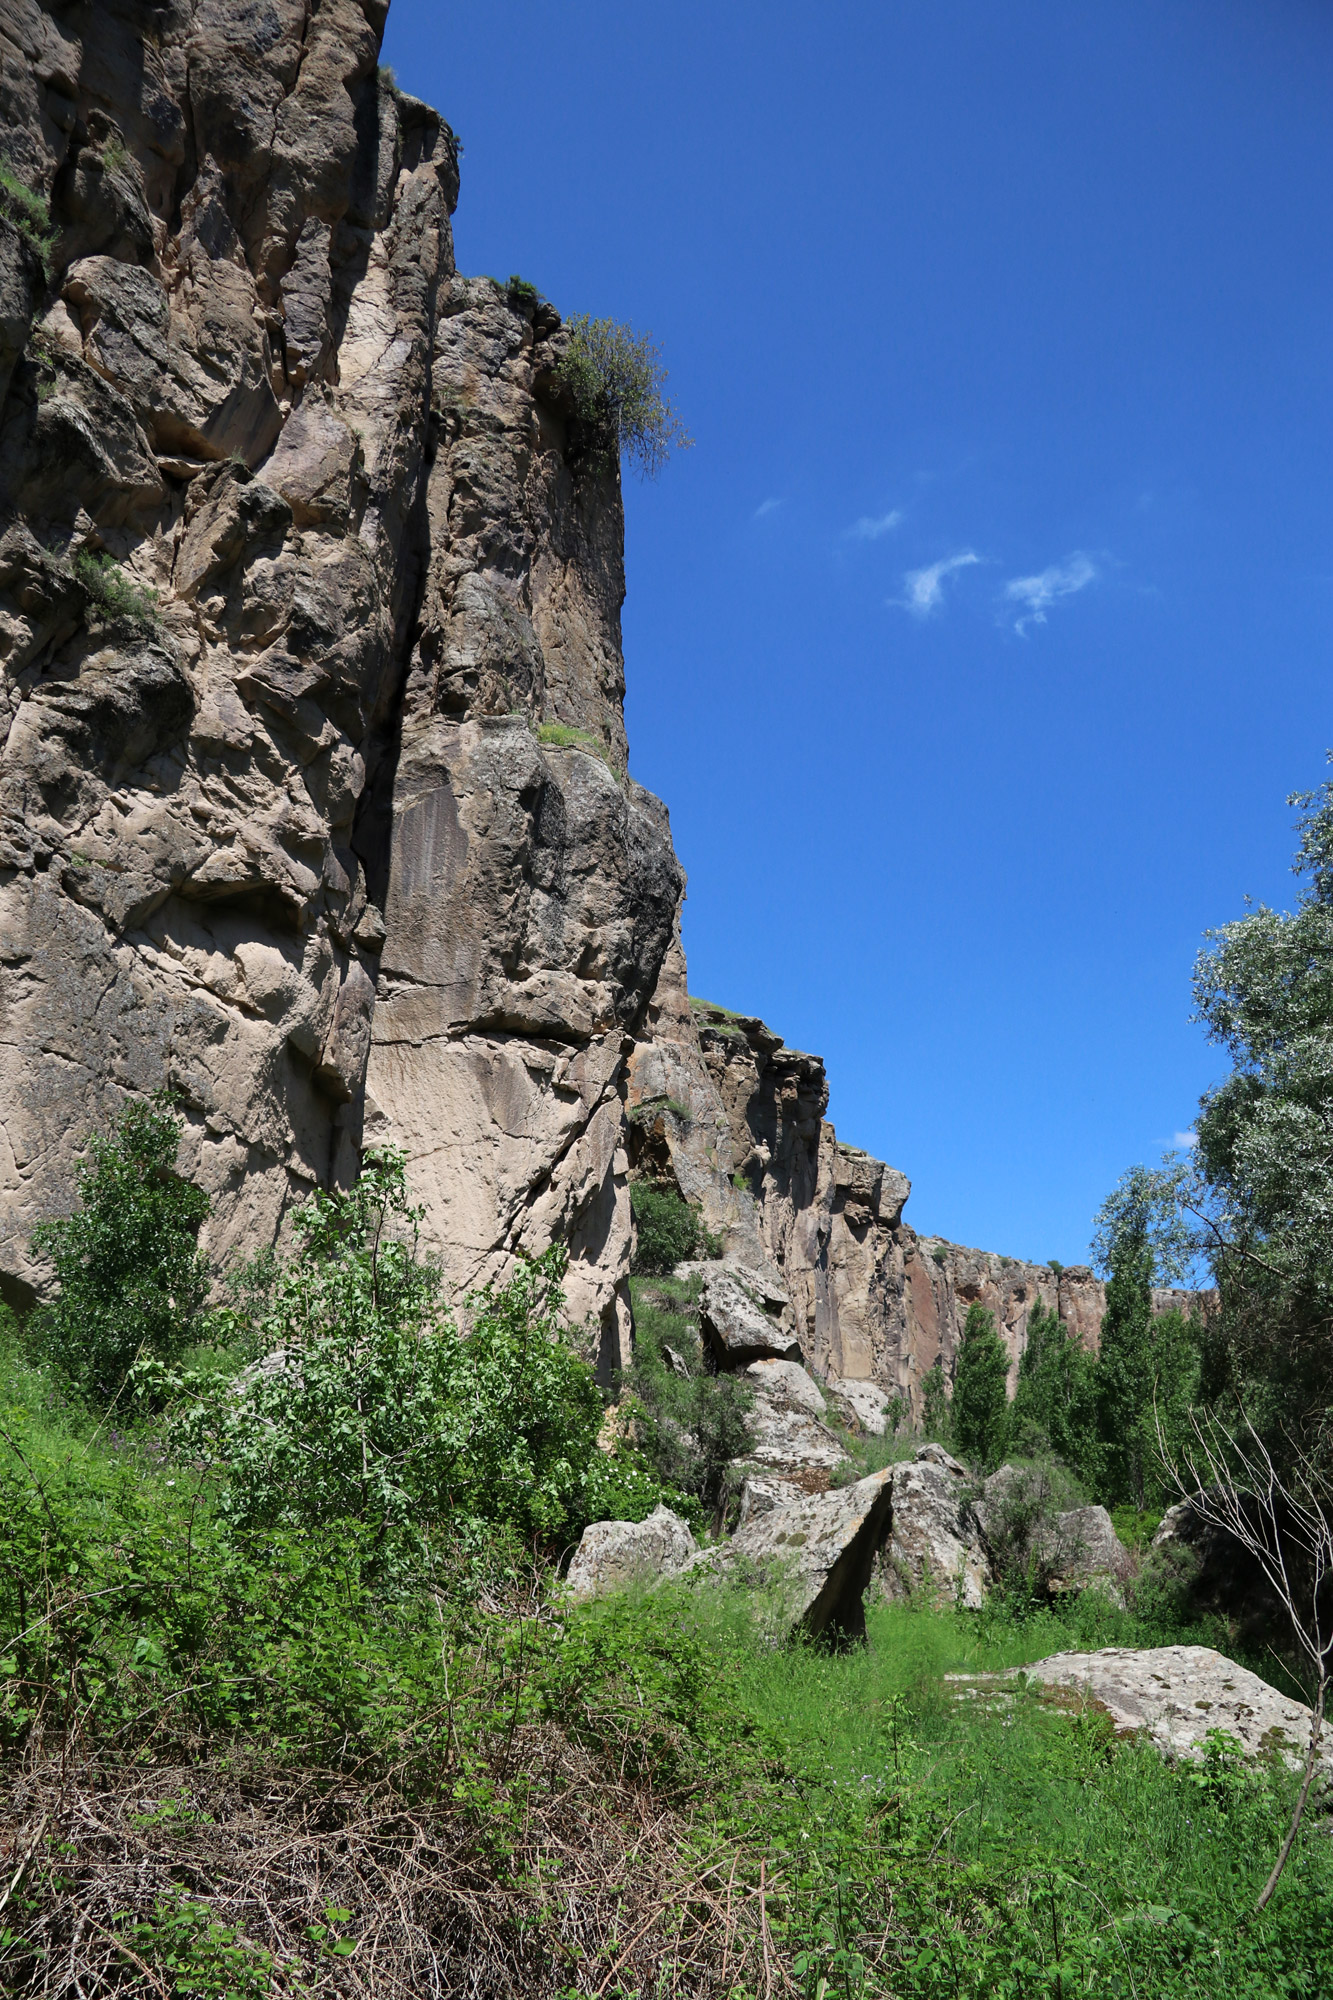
{"type": "Point", "coordinates": [29, 212]}
{"type": "Point", "coordinates": [615, 378]}
{"type": "Point", "coordinates": [132, 1279]}
{"type": "Point", "coordinates": [125, 606]}
{"type": "Point", "coordinates": [373, 1407]}
{"type": "Point", "coordinates": [1055, 1403]}
{"type": "Point", "coordinates": [693, 1424]}
{"type": "Point", "coordinates": [669, 1231]}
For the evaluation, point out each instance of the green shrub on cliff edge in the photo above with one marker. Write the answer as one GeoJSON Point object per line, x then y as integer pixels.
{"type": "Point", "coordinates": [28, 212]}
{"type": "Point", "coordinates": [123, 605]}
{"type": "Point", "coordinates": [615, 377]}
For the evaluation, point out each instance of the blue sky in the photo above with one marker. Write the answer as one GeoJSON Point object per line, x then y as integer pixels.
{"type": "Point", "coordinates": [978, 641]}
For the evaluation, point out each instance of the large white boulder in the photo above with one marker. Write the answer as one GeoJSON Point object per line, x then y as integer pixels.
{"type": "Point", "coordinates": [1174, 1695]}
{"type": "Point", "coordinates": [935, 1545]}
{"type": "Point", "coordinates": [821, 1547]}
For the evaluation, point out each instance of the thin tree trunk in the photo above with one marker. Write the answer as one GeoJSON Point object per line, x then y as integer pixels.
{"type": "Point", "coordinates": [1316, 1727]}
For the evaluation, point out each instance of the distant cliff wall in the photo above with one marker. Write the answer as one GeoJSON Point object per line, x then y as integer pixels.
{"type": "Point", "coordinates": [871, 1298]}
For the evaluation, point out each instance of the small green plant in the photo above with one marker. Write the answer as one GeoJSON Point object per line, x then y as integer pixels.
{"type": "Point", "coordinates": [940, 1254]}
{"type": "Point", "coordinates": [645, 1112]}
{"type": "Point", "coordinates": [114, 154]}
{"type": "Point", "coordinates": [615, 378]}
{"type": "Point", "coordinates": [123, 605]}
{"type": "Point", "coordinates": [132, 1280]}
{"type": "Point", "coordinates": [562, 736]}
{"type": "Point", "coordinates": [519, 288]}
{"type": "Point", "coordinates": [29, 212]}
{"type": "Point", "coordinates": [387, 76]}
{"type": "Point", "coordinates": [191, 1953]}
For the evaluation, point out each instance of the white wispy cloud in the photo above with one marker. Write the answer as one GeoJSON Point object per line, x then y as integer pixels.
{"type": "Point", "coordinates": [765, 508]}
{"type": "Point", "coordinates": [1037, 593]}
{"type": "Point", "coordinates": [925, 587]}
{"type": "Point", "coordinates": [871, 526]}
{"type": "Point", "coordinates": [1187, 1138]}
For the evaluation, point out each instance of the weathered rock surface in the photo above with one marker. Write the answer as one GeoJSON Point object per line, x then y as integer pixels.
{"type": "Point", "coordinates": [1076, 1546]}
{"type": "Point", "coordinates": [821, 1548]}
{"type": "Point", "coordinates": [734, 1320]}
{"type": "Point", "coordinates": [295, 845]}
{"type": "Point", "coordinates": [862, 1404]}
{"type": "Point", "coordinates": [1174, 1695]}
{"type": "Point", "coordinates": [612, 1554]}
{"type": "Point", "coordinates": [935, 1547]}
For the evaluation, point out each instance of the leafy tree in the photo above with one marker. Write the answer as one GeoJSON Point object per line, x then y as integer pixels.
{"type": "Point", "coordinates": [1261, 1193]}
{"type": "Point", "coordinates": [1055, 1404]}
{"type": "Point", "coordinates": [615, 377]}
{"type": "Point", "coordinates": [132, 1279]}
{"type": "Point", "coordinates": [935, 1405]}
{"type": "Point", "coordinates": [1147, 1368]}
{"type": "Point", "coordinates": [371, 1406]}
{"type": "Point", "coordinates": [980, 1407]}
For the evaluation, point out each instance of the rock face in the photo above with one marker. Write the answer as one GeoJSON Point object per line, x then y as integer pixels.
{"type": "Point", "coordinates": [612, 1554]}
{"type": "Point", "coordinates": [822, 1547]}
{"type": "Point", "coordinates": [1174, 1695]}
{"type": "Point", "coordinates": [818, 1221]}
{"type": "Point", "coordinates": [294, 841]}
{"type": "Point", "coordinates": [935, 1547]}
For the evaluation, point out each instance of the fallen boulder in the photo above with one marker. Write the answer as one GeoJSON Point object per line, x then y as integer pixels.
{"type": "Point", "coordinates": [733, 1320]}
{"type": "Point", "coordinates": [611, 1554]}
{"type": "Point", "coordinates": [1174, 1695]}
{"type": "Point", "coordinates": [1076, 1548]}
{"type": "Point", "coordinates": [865, 1403]}
{"type": "Point", "coordinates": [787, 1382]}
{"type": "Point", "coordinates": [935, 1545]}
{"type": "Point", "coordinates": [822, 1547]}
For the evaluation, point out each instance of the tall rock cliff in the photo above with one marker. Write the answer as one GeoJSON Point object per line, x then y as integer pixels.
{"type": "Point", "coordinates": [291, 840]}
{"type": "Point", "coordinates": [313, 775]}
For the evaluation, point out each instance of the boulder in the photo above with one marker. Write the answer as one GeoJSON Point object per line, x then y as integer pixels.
{"type": "Point", "coordinates": [864, 1403]}
{"type": "Point", "coordinates": [1076, 1547]}
{"type": "Point", "coordinates": [612, 1554]}
{"type": "Point", "coordinates": [734, 1322]}
{"type": "Point", "coordinates": [1174, 1695]}
{"type": "Point", "coordinates": [820, 1548]}
{"type": "Point", "coordinates": [760, 1495]}
{"type": "Point", "coordinates": [787, 1382]}
{"type": "Point", "coordinates": [935, 1544]}
{"type": "Point", "coordinates": [1085, 1551]}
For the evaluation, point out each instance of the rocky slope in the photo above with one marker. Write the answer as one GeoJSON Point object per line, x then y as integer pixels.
{"type": "Point", "coordinates": [313, 787]}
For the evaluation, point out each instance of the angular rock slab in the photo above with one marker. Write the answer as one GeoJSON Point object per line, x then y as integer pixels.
{"type": "Point", "coordinates": [787, 1382]}
{"type": "Point", "coordinates": [935, 1544]}
{"type": "Point", "coordinates": [1175, 1694]}
{"type": "Point", "coordinates": [612, 1554]}
{"type": "Point", "coordinates": [826, 1543]}
{"type": "Point", "coordinates": [865, 1402]}
{"type": "Point", "coordinates": [733, 1321]}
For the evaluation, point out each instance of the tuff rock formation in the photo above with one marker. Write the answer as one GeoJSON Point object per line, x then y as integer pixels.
{"type": "Point", "coordinates": [612, 1554]}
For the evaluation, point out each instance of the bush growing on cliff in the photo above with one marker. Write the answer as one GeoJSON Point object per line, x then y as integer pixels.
{"type": "Point", "coordinates": [615, 378]}
{"type": "Point", "coordinates": [669, 1230]}
{"type": "Point", "coordinates": [122, 604]}
{"type": "Point", "coordinates": [132, 1279]}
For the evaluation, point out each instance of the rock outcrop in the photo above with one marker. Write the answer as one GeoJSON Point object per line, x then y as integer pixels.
{"type": "Point", "coordinates": [935, 1548]}
{"type": "Point", "coordinates": [313, 798]}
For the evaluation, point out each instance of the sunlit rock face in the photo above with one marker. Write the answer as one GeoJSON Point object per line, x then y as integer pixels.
{"type": "Point", "coordinates": [293, 843]}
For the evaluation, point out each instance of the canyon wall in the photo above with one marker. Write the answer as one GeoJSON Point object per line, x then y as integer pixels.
{"type": "Point", "coordinates": [314, 801]}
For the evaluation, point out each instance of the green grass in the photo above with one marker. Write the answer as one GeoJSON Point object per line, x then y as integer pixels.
{"type": "Point", "coordinates": [907, 1840]}
{"type": "Point", "coordinates": [562, 736]}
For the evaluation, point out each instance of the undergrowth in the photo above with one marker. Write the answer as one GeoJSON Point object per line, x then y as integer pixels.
{"type": "Point", "coordinates": [122, 604]}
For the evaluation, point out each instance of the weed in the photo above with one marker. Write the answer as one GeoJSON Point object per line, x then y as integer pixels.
{"type": "Point", "coordinates": [519, 288]}
{"type": "Point", "coordinates": [561, 736]}
{"type": "Point", "coordinates": [122, 605]}
{"type": "Point", "coordinates": [30, 213]}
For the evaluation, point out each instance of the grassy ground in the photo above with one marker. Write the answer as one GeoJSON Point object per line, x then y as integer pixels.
{"type": "Point", "coordinates": [234, 1768]}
